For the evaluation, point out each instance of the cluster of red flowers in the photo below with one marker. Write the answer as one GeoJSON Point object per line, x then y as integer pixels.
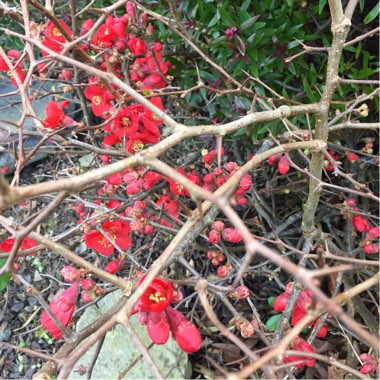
{"type": "Point", "coordinates": [361, 224]}
{"type": "Point", "coordinates": [303, 304]}
{"type": "Point", "coordinates": [300, 344]}
{"type": "Point", "coordinates": [218, 231]}
{"type": "Point", "coordinates": [219, 175]}
{"type": "Point", "coordinates": [160, 318]}
{"type": "Point", "coordinates": [370, 364]}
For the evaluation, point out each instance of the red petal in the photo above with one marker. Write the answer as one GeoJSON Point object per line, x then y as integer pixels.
{"type": "Point", "coordinates": [158, 327]}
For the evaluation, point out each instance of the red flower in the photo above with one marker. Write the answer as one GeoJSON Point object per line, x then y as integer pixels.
{"type": "Point", "coordinates": [158, 327]}
{"type": "Point", "coordinates": [157, 297]}
{"type": "Point", "coordinates": [300, 344]}
{"type": "Point", "coordinates": [360, 224]}
{"type": "Point", "coordinates": [137, 46]}
{"type": "Point", "coordinates": [113, 31]}
{"type": "Point", "coordinates": [63, 307]}
{"type": "Point", "coordinates": [114, 266]}
{"type": "Point", "coordinates": [55, 117]}
{"type": "Point", "coordinates": [117, 230]}
{"type": "Point", "coordinates": [176, 188]}
{"type": "Point", "coordinates": [184, 332]}
{"type": "Point", "coordinates": [100, 99]}
{"type": "Point", "coordinates": [17, 69]}
{"type": "Point", "coordinates": [27, 243]}
{"type": "Point", "coordinates": [54, 39]}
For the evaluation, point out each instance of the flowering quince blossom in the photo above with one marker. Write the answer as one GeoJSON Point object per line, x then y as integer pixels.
{"type": "Point", "coordinates": [117, 230]}
{"type": "Point", "coordinates": [27, 243]}
{"type": "Point", "coordinates": [55, 117]}
{"type": "Point", "coordinates": [18, 70]}
{"type": "Point", "coordinates": [303, 303]}
{"type": "Point", "coordinates": [63, 307]}
{"type": "Point", "coordinates": [300, 344]}
{"type": "Point", "coordinates": [54, 39]}
{"type": "Point", "coordinates": [100, 98]}
{"type": "Point", "coordinates": [160, 318]}
{"type": "Point", "coordinates": [157, 297]}
{"type": "Point", "coordinates": [114, 266]}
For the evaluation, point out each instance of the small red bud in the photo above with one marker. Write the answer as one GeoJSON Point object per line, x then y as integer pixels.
{"type": "Point", "coordinates": [283, 165]}
{"type": "Point", "coordinates": [223, 271]}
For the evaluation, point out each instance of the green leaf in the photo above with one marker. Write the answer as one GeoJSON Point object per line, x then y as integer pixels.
{"type": "Point", "coordinates": [247, 23]}
{"type": "Point", "coordinates": [373, 14]}
{"type": "Point", "coordinates": [273, 322]}
{"type": "Point", "coordinates": [321, 5]}
{"type": "Point", "coordinates": [271, 301]}
{"type": "Point", "coordinates": [214, 20]}
{"type": "Point", "coordinates": [5, 278]}
{"type": "Point", "coordinates": [226, 17]}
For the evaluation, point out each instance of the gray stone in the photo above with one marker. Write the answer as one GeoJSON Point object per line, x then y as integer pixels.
{"type": "Point", "coordinates": [119, 351]}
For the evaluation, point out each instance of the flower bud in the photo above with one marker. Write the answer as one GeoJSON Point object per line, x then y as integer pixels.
{"type": "Point", "coordinates": [214, 237]}
{"type": "Point", "coordinates": [360, 224]}
{"type": "Point", "coordinates": [273, 159]}
{"type": "Point", "coordinates": [218, 225]}
{"type": "Point", "coordinates": [114, 266]}
{"type": "Point", "coordinates": [88, 296]}
{"type": "Point", "coordinates": [184, 332]}
{"type": "Point", "coordinates": [231, 235]}
{"type": "Point", "coordinates": [245, 182]}
{"type": "Point", "coordinates": [246, 329]}
{"type": "Point", "coordinates": [231, 166]}
{"type": "Point", "coordinates": [283, 165]}
{"type": "Point", "coordinates": [352, 157]}
{"type": "Point", "coordinates": [178, 296]}
{"type": "Point", "coordinates": [88, 284]}
{"type": "Point", "coordinates": [371, 249]}
{"type": "Point", "coordinates": [242, 292]}
{"type": "Point", "coordinates": [143, 317]}
{"type": "Point", "coordinates": [223, 271]}
{"type": "Point", "coordinates": [158, 327]}
{"type": "Point", "coordinates": [373, 233]}
{"type": "Point", "coordinates": [70, 274]}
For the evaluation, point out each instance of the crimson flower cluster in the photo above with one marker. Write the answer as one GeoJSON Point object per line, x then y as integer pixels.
{"type": "Point", "coordinates": [300, 344]}
{"type": "Point", "coordinates": [303, 304]}
{"type": "Point", "coordinates": [218, 231]}
{"type": "Point", "coordinates": [160, 318]}
{"type": "Point", "coordinates": [362, 225]}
